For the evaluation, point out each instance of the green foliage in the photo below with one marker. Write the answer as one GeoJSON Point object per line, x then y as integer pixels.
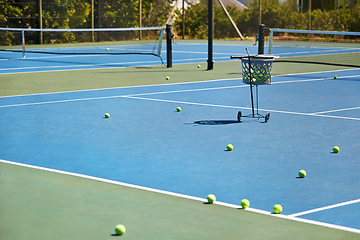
{"type": "Point", "coordinates": [155, 12]}
{"type": "Point", "coordinates": [67, 14]}
{"type": "Point", "coordinates": [354, 19]}
{"type": "Point", "coordinates": [274, 14]}
{"type": "Point", "coordinates": [197, 27]}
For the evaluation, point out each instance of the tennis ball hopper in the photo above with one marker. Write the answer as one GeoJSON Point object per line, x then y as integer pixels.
{"type": "Point", "coordinates": [256, 71]}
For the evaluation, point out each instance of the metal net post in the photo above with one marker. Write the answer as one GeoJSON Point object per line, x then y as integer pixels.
{"type": "Point", "coordinates": [168, 46]}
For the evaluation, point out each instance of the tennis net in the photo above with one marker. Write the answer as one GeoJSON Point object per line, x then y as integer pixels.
{"type": "Point", "coordinates": [106, 41]}
{"type": "Point", "coordinates": [310, 46]}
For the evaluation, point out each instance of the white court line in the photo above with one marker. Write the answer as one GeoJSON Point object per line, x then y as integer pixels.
{"type": "Point", "coordinates": [314, 52]}
{"type": "Point", "coordinates": [71, 66]}
{"type": "Point", "coordinates": [186, 90]}
{"type": "Point", "coordinates": [95, 66]}
{"type": "Point", "coordinates": [153, 93]}
{"type": "Point", "coordinates": [113, 88]}
{"type": "Point", "coordinates": [237, 107]}
{"type": "Point", "coordinates": [116, 96]}
{"type": "Point", "coordinates": [59, 101]}
{"type": "Point", "coordinates": [172, 101]}
{"type": "Point", "coordinates": [337, 110]}
{"type": "Point", "coordinates": [215, 53]}
{"type": "Point", "coordinates": [190, 103]}
{"type": "Point", "coordinates": [333, 226]}
{"type": "Point", "coordinates": [180, 83]}
{"type": "Point", "coordinates": [325, 208]}
{"type": "Point", "coordinates": [55, 57]}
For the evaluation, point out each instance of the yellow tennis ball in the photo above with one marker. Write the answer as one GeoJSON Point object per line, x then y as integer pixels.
{"type": "Point", "coordinates": [245, 203]}
{"type": "Point", "coordinates": [211, 198]}
{"type": "Point", "coordinates": [120, 229]}
{"type": "Point", "coordinates": [199, 66]}
{"type": "Point", "coordinates": [178, 109]}
{"type": "Point", "coordinates": [107, 115]}
{"type": "Point", "coordinates": [167, 78]}
{"type": "Point", "coordinates": [302, 173]}
{"type": "Point", "coordinates": [336, 149]}
{"type": "Point", "coordinates": [335, 77]}
{"type": "Point", "coordinates": [277, 208]}
{"type": "Point", "coordinates": [229, 147]}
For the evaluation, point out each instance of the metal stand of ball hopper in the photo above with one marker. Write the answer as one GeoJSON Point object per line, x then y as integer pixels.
{"type": "Point", "coordinates": [256, 71]}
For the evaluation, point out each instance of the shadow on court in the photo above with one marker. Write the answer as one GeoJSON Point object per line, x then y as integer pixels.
{"type": "Point", "coordinates": [215, 122]}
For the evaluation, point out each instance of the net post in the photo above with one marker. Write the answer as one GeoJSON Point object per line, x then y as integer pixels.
{"type": "Point", "coordinates": [271, 35]}
{"type": "Point", "coordinates": [261, 38]}
{"type": "Point", "coordinates": [23, 42]}
{"type": "Point", "coordinates": [210, 61]}
{"type": "Point", "coordinates": [168, 46]}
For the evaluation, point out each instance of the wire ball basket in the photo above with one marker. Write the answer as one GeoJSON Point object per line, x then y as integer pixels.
{"type": "Point", "coordinates": [258, 71]}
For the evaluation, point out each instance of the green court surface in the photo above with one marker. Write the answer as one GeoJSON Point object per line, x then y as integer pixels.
{"type": "Point", "coordinates": [38, 204]}
{"type": "Point", "coordinates": [59, 81]}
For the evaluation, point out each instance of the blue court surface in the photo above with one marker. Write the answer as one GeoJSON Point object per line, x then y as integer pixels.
{"type": "Point", "coordinates": [13, 62]}
{"type": "Point", "coordinates": [146, 142]}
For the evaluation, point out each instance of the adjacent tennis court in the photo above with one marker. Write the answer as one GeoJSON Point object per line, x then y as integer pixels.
{"type": "Point", "coordinates": [69, 172]}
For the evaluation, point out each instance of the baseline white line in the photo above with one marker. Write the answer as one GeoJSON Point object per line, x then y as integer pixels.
{"type": "Point", "coordinates": [329, 71]}
{"type": "Point", "coordinates": [185, 83]}
{"type": "Point", "coordinates": [328, 225]}
{"type": "Point", "coordinates": [312, 80]}
{"type": "Point", "coordinates": [303, 80]}
{"type": "Point", "coordinates": [325, 208]}
{"type": "Point", "coordinates": [71, 66]}
{"type": "Point", "coordinates": [59, 101]}
{"type": "Point", "coordinates": [116, 96]}
{"type": "Point", "coordinates": [112, 88]}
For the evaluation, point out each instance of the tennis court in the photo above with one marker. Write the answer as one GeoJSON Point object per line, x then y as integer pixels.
{"type": "Point", "coordinates": [68, 172]}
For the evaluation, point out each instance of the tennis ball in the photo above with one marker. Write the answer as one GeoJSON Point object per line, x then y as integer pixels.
{"type": "Point", "coordinates": [108, 49]}
{"type": "Point", "coordinates": [199, 66]}
{"type": "Point", "coordinates": [247, 37]}
{"type": "Point", "coordinates": [277, 208]}
{"type": "Point", "coordinates": [107, 115]}
{"type": "Point", "coordinates": [245, 203]}
{"type": "Point", "coordinates": [211, 198]}
{"type": "Point", "coordinates": [120, 229]}
{"type": "Point", "coordinates": [230, 147]}
{"type": "Point", "coordinates": [335, 77]}
{"type": "Point", "coordinates": [336, 149]}
{"type": "Point", "coordinates": [167, 78]}
{"type": "Point", "coordinates": [178, 109]}
{"type": "Point", "coordinates": [302, 173]}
